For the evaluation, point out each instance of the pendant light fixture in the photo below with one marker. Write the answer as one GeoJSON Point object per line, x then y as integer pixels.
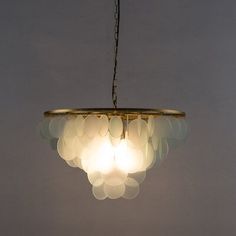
{"type": "Point", "coordinates": [114, 146]}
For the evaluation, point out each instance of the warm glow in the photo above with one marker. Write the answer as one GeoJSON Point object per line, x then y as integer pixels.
{"type": "Point", "coordinates": [115, 153]}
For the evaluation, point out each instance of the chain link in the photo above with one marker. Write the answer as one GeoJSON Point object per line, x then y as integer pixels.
{"type": "Point", "coordinates": [116, 38]}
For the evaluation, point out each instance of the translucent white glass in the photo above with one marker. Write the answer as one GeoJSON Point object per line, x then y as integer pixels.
{"type": "Point", "coordinates": [72, 163]}
{"type": "Point", "coordinates": [98, 192]}
{"type": "Point", "coordinates": [151, 125]}
{"type": "Point", "coordinates": [138, 176]}
{"type": "Point", "coordinates": [116, 126]}
{"type": "Point", "coordinates": [94, 177]}
{"type": "Point", "coordinates": [91, 125]}
{"type": "Point", "coordinates": [114, 192]}
{"type": "Point", "coordinates": [79, 125]}
{"type": "Point", "coordinates": [104, 123]}
{"type": "Point", "coordinates": [56, 126]}
{"type": "Point", "coordinates": [131, 189]}
{"type": "Point", "coordinates": [66, 149]}
{"type": "Point", "coordinates": [138, 133]}
{"type": "Point", "coordinates": [44, 129]}
{"type": "Point", "coordinates": [115, 163]}
{"type": "Point", "coordinates": [69, 128]}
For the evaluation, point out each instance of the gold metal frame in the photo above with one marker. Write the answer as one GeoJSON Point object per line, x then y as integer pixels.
{"type": "Point", "coordinates": [129, 113]}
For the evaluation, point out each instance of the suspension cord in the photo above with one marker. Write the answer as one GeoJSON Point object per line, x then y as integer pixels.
{"type": "Point", "coordinates": [116, 38]}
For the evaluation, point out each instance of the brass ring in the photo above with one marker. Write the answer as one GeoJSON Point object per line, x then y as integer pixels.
{"type": "Point", "coordinates": [124, 112]}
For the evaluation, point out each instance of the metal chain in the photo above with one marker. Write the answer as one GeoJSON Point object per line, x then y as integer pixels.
{"type": "Point", "coordinates": [116, 38]}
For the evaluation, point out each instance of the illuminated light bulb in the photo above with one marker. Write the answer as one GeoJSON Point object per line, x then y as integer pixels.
{"type": "Point", "coordinates": [104, 160]}
{"type": "Point", "coordinates": [114, 192]}
{"type": "Point", "coordinates": [99, 156]}
{"type": "Point", "coordinates": [116, 126]}
{"type": "Point", "coordinates": [131, 189]}
{"type": "Point", "coordinates": [128, 159]}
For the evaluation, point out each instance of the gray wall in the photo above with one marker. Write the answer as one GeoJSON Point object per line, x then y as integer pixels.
{"type": "Point", "coordinates": [173, 53]}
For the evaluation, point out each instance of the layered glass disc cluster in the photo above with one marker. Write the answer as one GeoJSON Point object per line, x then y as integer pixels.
{"type": "Point", "coordinates": [115, 149]}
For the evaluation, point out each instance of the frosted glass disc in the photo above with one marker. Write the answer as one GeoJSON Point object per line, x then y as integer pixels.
{"type": "Point", "coordinates": [95, 178]}
{"type": "Point", "coordinates": [131, 189]}
{"type": "Point", "coordinates": [114, 192]}
{"type": "Point", "coordinates": [84, 140]}
{"type": "Point", "coordinates": [53, 143]}
{"type": "Point", "coordinates": [98, 192]}
{"type": "Point", "coordinates": [60, 147]}
{"type": "Point", "coordinates": [115, 177]}
{"type": "Point", "coordinates": [91, 126]}
{"type": "Point", "coordinates": [173, 143]}
{"type": "Point", "coordinates": [175, 127]}
{"type": "Point", "coordinates": [151, 125]}
{"type": "Point", "coordinates": [79, 147]}
{"type": "Point", "coordinates": [179, 128]}
{"type": "Point", "coordinates": [155, 142]}
{"type": "Point", "coordinates": [70, 128]}
{"type": "Point", "coordinates": [56, 126]}
{"type": "Point", "coordinates": [115, 141]}
{"type": "Point", "coordinates": [98, 182]}
{"type": "Point", "coordinates": [138, 132]}
{"type": "Point", "coordinates": [79, 125]}
{"type": "Point", "coordinates": [163, 148]}
{"type": "Point", "coordinates": [162, 127]}
{"type": "Point", "coordinates": [65, 149]}
{"type": "Point", "coordinates": [138, 176]}
{"type": "Point", "coordinates": [154, 161]}
{"type": "Point", "coordinates": [116, 126]}
{"type": "Point", "coordinates": [183, 129]}
{"type": "Point", "coordinates": [72, 163]}
{"type": "Point", "coordinates": [104, 123]}
{"type": "Point", "coordinates": [149, 156]}
{"type": "Point", "coordinates": [44, 129]}
{"type": "Point", "coordinates": [77, 162]}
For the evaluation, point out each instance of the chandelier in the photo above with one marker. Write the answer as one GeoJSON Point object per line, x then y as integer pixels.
{"type": "Point", "coordinates": [114, 146]}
